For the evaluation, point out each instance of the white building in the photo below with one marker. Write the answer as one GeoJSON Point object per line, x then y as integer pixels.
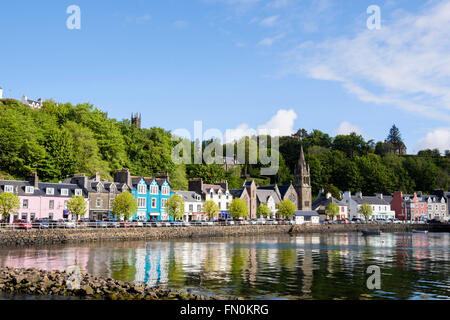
{"type": "Point", "coordinates": [380, 207]}
{"type": "Point", "coordinates": [32, 103]}
{"type": "Point", "coordinates": [306, 217]}
{"type": "Point", "coordinates": [193, 205]}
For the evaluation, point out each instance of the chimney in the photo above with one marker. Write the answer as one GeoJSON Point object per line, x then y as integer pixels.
{"type": "Point", "coordinates": [379, 195]}
{"type": "Point", "coordinates": [97, 177]}
{"type": "Point", "coordinates": [164, 176]}
{"type": "Point", "coordinates": [80, 180]}
{"type": "Point", "coordinates": [224, 184]}
{"type": "Point", "coordinates": [123, 176]}
{"type": "Point", "coordinates": [359, 195]}
{"type": "Point", "coordinates": [419, 193]}
{"type": "Point", "coordinates": [33, 179]}
{"type": "Point", "coordinates": [196, 184]}
{"type": "Point", "coordinates": [328, 196]}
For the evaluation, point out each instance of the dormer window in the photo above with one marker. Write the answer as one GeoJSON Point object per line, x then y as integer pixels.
{"type": "Point", "coordinates": [165, 190]}
{"type": "Point", "coordinates": [154, 189]}
{"type": "Point", "coordinates": [9, 189]}
{"type": "Point", "coordinates": [78, 192]}
{"type": "Point", "coordinates": [29, 189]}
{"type": "Point", "coordinates": [65, 192]}
{"type": "Point", "coordinates": [50, 191]}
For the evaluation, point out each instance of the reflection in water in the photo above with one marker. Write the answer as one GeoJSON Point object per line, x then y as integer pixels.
{"type": "Point", "coordinates": [330, 266]}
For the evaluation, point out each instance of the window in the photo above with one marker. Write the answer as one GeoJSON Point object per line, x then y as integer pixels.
{"type": "Point", "coordinates": [165, 190]}
{"type": "Point", "coordinates": [153, 202]}
{"type": "Point", "coordinates": [443, 207]}
{"type": "Point", "coordinates": [142, 202]}
{"type": "Point", "coordinates": [111, 202]}
{"type": "Point", "coordinates": [142, 188]}
{"type": "Point", "coordinates": [306, 203]}
{"type": "Point", "coordinates": [65, 205]}
{"type": "Point", "coordinates": [78, 192]}
{"type": "Point", "coordinates": [154, 190]}
{"type": "Point", "coordinates": [98, 202]}
{"type": "Point", "coordinates": [32, 216]}
{"type": "Point", "coordinates": [220, 205]}
{"type": "Point", "coordinates": [16, 216]}
{"type": "Point", "coordinates": [50, 191]}
{"type": "Point", "coordinates": [430, 207]}
{"type": "Point", "coordinates": [199, 208]}
{"type": "Point", "coordinates": [24, 216]}
{"type": "Point", "coordinates": [51, 204]}
{"type": "Point", "coordinates": [9, 189]}
{"type": "Point", "coordinates": [50, 215]}
{"type": "Point", "coordinates": [191, 207]}
{"type": "Point", "coordinates": [342, 209]}
{"type": "Point", "coordinates": [29, 189]}
{"type": "Point", "coordinates": [228, 205]}
{"type": "Point", "coordinates": [65, 192]}
{"type": "Point", "coordinates": [163, 203]}
{"type": "Point", "coordinates": [25, 204]}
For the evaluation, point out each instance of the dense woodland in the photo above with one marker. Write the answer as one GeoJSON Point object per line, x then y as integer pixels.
{"type": "Point", "coordinates": [61, 139]}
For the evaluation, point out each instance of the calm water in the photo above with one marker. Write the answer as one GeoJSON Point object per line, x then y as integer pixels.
{"type": "Point", "coordinates": [332, 266]}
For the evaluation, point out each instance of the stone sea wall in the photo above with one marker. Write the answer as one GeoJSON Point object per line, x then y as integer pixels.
{"type": "Point", "coordinates": [58, 236]}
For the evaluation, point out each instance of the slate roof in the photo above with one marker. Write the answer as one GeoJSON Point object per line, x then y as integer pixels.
{"type": "Point", "coordinates": [323, 201]}
{"type": "Point", "coordinates": [207, 187]}
{"type": "Point", "coordinates": [148, 180]}
{"type": "Point", "coordinates": [19, 188]}
{"type": "Point", "coordinates": [236, 193]}
{"type": "Point", "coordinates": [263, 196]}
{"type": "Point", "coordinates": [189, 196]}
{"type": "Point", "coordinates": [300, 213]}
{"type": "Point", "coordinates": [370, 200]}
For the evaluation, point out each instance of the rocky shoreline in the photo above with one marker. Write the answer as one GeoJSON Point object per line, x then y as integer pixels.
{"type": "Point", "coordinates": [61, 236]}
{"type": "Point", "coordinates": [60, 283]}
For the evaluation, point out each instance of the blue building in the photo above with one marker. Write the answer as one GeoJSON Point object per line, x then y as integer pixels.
{"type": "Point", "coordinates": [151, 194]}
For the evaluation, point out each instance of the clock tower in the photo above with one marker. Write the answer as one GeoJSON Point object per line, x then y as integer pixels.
{"type": "Point", "coordinates": [302, 183]}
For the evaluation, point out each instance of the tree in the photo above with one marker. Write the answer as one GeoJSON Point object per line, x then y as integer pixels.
{"type": "Point", "coordinates": [77, 206]}
{"type": "Point", "coordinates": [211, 209]}
{"type": "Point", "coordinates": [175, 207]}
{"type": "Point", "coordinates": [365, 210]}
{"type": "Point", "coordinates": [394, 141]}
{"type": "Point", "coordinates": [333, 190]}
{"type": "Point", "coordinates": [286, 208]}
{"type": "Point", "coordinates": [238, 208]}
{"type": "Point", "coordinates": [332, 210]}
{"type": "Point", "coordinates": [124, 205]}
{"type": "Point", "coordinates": [264, 211]}
{"type": "Point", "coordinates": [9, 204]}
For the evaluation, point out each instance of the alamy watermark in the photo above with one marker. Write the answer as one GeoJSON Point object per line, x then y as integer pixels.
{"type": "Point", "coordinates": [267, 142]}
{"type": "Point", "coordinates": [374, 280]}
{"type": "Point", "coordinates": [74, 20]}
{"type": "Point", "coordinates": [374, 21]}
{"type": "Point", "coordinates": [74, 280]}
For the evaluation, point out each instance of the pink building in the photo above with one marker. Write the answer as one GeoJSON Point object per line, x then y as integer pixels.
{"type": "Point", "coordinates": [40, 200]}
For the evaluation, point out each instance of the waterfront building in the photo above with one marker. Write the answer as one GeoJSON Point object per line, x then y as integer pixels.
{"type": "Point", "coordinates": [32, 103]}
{"type": "Point", "coordinates": [435, 207]}
{"type": "Point", "coordinates": [446, 195]}
{"type": "Point", "coordinates": [302, 183]}
{"type": "Point", "coordinates": [320, 206]}
{"type": "Point", "coordinates": [380, 207]}
{"type": "Point", "coordinates": [306, 217]}
{"type": "Point", "coordinates": [219, 193]}
{"type": "Point", "coordinates": [270, 198]}
{"type": "Point", "coordinates": [39, 200]}
{"type": "Point", "coordinates": [193, 206]}
{"type": "Point", "coordinates": [248, 193]}
{"type": "Point", "coordinates": [101, 194]}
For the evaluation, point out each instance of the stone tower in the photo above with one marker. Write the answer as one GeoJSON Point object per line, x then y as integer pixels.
{"type": "Point", "coordinates": [302, 183]}
{"type": "Point", "coordinates": [136, 120]}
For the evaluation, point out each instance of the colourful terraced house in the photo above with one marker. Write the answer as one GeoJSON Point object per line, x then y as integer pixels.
{"type": "Point", "coordinates": [151, 194]}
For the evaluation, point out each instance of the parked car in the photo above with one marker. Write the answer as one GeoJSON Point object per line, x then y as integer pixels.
{"type": "Point", "coordinates": [396, 221]}
{"type": "Point", "coordinates": [41, 224]}
{"type": "Point", "coordinates": [22, 224]}
{"type": "Point", "coordinates": [125, 224]}
{"type": "Point", "coordinates": [66, 223]}
{"type": "Point", "coordinates": [112, 223]}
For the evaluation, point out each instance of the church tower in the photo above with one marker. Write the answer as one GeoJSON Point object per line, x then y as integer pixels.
{"type": "Point", "coordinates": [136, 120]}
{"type": "Point", "coordinates": [302, 183]}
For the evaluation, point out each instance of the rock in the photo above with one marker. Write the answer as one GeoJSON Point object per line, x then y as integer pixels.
{"type": "Point", "coordinates": [87, 290]}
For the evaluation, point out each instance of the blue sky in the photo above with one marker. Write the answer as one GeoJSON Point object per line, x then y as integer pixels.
{"type": "Point", "coordinates": [283, 64]}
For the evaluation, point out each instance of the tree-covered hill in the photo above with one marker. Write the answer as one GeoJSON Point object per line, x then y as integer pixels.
{"type": "Point", "coordinates": [61, 139]}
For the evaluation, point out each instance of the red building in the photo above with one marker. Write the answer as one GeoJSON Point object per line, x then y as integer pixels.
{"type": "Point", "coordinates": [408, 207]}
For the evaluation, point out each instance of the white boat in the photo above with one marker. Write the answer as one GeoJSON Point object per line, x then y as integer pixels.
{"type": "Point", "coordinates": [420, 231]}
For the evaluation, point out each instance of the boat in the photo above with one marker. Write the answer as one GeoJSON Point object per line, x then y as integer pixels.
{"type": "Point", "coordinates": [366, 232]}
{"type": "Point", "coordinates": [420, 231]}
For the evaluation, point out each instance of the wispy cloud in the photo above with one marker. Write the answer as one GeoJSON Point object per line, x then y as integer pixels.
{"type": "Point", "coordinates": [269, 41]}
{"type": "Point", "coordinates": [405, 64]}
{"type": "Point", "coordinates": [269, 21]}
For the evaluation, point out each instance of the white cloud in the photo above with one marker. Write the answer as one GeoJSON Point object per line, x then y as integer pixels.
{"type": "Point", "coordinates": [345, 128]}
{"type": "Point", "coordinates": [404, 64]}
{"type": "Point", "coordinates": [281, 124]}
{"type": "Point", "coordinates": [269, 21]}
{"type": "Point", "coordinates": [437, 139]}
{"type": "Point", "coordinates": [267, 42]}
